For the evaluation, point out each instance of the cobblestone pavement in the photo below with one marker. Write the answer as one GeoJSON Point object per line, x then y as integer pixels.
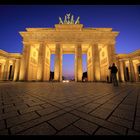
{"type": "Point", "coordinates": [41, 108]}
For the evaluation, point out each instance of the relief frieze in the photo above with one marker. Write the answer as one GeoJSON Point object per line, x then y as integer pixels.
{"type": "Point", "coordinates": [67, 36]}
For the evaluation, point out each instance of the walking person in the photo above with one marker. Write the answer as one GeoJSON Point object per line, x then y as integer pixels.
{"type": "Point", "coordinates": [114, 71]}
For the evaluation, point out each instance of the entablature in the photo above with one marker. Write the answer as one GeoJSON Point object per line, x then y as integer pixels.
{"type": "Point", "coordinates": [130, 55]}
{"type": "Point", "coordinates": [68, 36]}
{"type": "Point", "coordinates": [5, 54]}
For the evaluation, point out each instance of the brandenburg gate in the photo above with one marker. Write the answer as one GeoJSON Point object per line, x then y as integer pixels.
{"type": "Point", "coordinates": [68, 37]}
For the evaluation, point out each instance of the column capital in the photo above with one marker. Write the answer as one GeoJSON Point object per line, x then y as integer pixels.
{"type": "Point", "coordinates": [130, 59]}
{"type": "Point", "coordinates": [93, 44]}
{"type": "Point", "coordinates": [34, 42]}
{"type": "Point", "coordinates": [42, 43]}
{"type": "Point", "coordinates": [58, 45]}
{"type": "Point", "coordinates": [27, 43]}
{"type": "Point", "coordinates": [111, 43]}
{"type": "Point", "coordinates": [78, 44]}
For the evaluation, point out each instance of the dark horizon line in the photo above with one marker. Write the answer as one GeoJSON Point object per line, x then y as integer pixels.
{"type": "Point", "coordinates": [72, 2]}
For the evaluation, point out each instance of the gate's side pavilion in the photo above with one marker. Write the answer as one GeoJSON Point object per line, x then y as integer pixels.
{"type": "Point", "coordinates": [68, 38]}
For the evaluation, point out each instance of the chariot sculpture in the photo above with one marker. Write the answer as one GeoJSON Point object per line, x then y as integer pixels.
{"type": "Point", "coordinates": [69, 19]}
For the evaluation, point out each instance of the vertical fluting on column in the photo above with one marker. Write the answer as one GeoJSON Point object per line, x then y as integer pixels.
{"type": "Point", "coordinates": [12, 72]}
{"type": "Point", "coordinates": [118, 73]}
{"type": "Point", "coordinates": [16, 70]}
{"type": "Point", "coordinates": [58, 63]}
{"type": "Point", "coordinates": [46, 74]}
{"type": "Point", "coordinates": [78, 63]}
{"type": "Point", "coordinates": [41, 62]}
{"type": "Point", "coordinates": [88, 65]}
{"type": "Point", "coordinates": [49, 65]}
{"type": "Point", "coordinates": [23, 75]}
{"type": "Point", "coordinates": [111, 54]}
{"type": "Point", "coordinates": [90, 61]}
{"type": "Point", "coordinates": [6, 69]}
{"type": "Point", "coordinates": [136, 72]}
{"type": "Point", "coordinates": [2, 71]}
{"type": "Point", "coordinates": [132, 73]}
{"type": "Point", "coordinates": [125, 73]}
{"type": "Point", "coordinates": [92, 68]}
{"type": "Point", "coordinates": [61, 61]}
{"type": "Point", "coordinates": [96, 62]}
{"type": "Point", "coordinates": [121, 71]}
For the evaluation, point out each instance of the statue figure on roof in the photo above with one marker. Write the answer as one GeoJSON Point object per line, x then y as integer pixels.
{"type": "Point", "coordinates": [77, 21]}
{"type": "Point", "coordinates": [72, 19]}
{"type": "Point", "coordinates": [65, 20]}
{"type": "Point", "coordinates": [69, 19]}
{"type": "Point", "coordinates": [60, 20]}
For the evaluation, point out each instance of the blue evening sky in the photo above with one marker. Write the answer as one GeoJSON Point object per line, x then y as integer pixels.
{"type": "Point", "coordinates": [122, 18]}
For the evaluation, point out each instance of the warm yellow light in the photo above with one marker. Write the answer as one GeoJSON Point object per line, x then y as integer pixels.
{"type": "Point", "coordinates": [65, 81]}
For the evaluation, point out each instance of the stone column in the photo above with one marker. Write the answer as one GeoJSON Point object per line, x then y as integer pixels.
{"type": "Point", "coordinates": [111, 54]}
{"type": "Point", "coordinates": [121, 69]}
{"type": "Point", "coordinates": [118, 73]}
{"type": "Point", "coordinates": [2, 72]}
{"type": "Point", "coordinates": [6, 69]}
{"type": "Point", "coordinates": [125, 74]}
{"type": "Point", "coordinates": [13, 67]}
{"type": "Point", "coordinates": [89, 64]}
{"type": "Point", "coordinates": [96, 62]}
{"type": "Point", "coordinates": [23, 75]}
{"type": "Point", "coordinates": [136, 73]}
{"type": "Point", "coordinates": [132, 73]}
{"type": "Point", "coordinates": [61, 58]}
{"type": "Point", "coordinates": [78, 63]}
{"type": "Point", "coordinates": [58, 63]}
{"type": "Point", "coordinates": [16, 70]}
{"type": "Point", "coordinates": [46, 74]}
{"type": "Point", "coordinates": [41, 62]}
{"type": "Point", "coordinates": [49, 67]}
{"type": "Point", "coordinates": [92, 59]}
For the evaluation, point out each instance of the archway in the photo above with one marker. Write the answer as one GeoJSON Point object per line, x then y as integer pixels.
{"type": "Point", "coordinates": [68, 67]}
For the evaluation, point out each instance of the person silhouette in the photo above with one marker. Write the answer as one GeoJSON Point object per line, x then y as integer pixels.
{"type": "Point", "coordinates": [114, 71]}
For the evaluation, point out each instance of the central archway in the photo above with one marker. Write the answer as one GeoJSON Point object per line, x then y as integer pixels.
{"type": "Point", "coordinates": [68, 67]}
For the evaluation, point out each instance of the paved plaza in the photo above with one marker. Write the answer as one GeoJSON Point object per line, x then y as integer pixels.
{"type": "Point", "coordinates": [42, 108]}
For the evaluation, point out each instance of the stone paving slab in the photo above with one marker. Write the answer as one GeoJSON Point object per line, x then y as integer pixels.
{"type": "Point", "coordinates": [63, 121]}
{"type": "Point", "coordinates": [103, 131]}
{"type": "Point", "coordinates": [4, 132]}
{"type": "Point", "coordinates": [121, 122]}
{"type": "Point", "coordinates": [137, 123]}
{"type": "Point", "coordinates": [43, 108]}
{"type": "Point", "coordinates": [86, 126]}
{"type": "Point", "coordinates": [124, 114]}
{"type": "Point", "coordinates": [2, 125]}
{"type": "Point", "coordinates": [71, 130]}
{"type": "Point", "coordinates": [21, 119]}
{"type": "Point", "coordinates": [132, 132]}
{"type": "Point", "coordinates": [31, 123]}
{"type": "Point", "coordinates": [42, 129]}
{"type": "Point", "coordinates": [101, 112]}
{"type": "Point", "coordinates": [8, 115]}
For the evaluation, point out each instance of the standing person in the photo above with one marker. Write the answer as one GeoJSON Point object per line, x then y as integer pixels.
{"type": "Point", "coordinates": [114, 71]}
{"type": "Point", "coordinates": [110, 76]}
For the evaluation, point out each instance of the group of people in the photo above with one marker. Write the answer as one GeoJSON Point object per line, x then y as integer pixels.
{"type": "Point", "coordinates": [113, 77]}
